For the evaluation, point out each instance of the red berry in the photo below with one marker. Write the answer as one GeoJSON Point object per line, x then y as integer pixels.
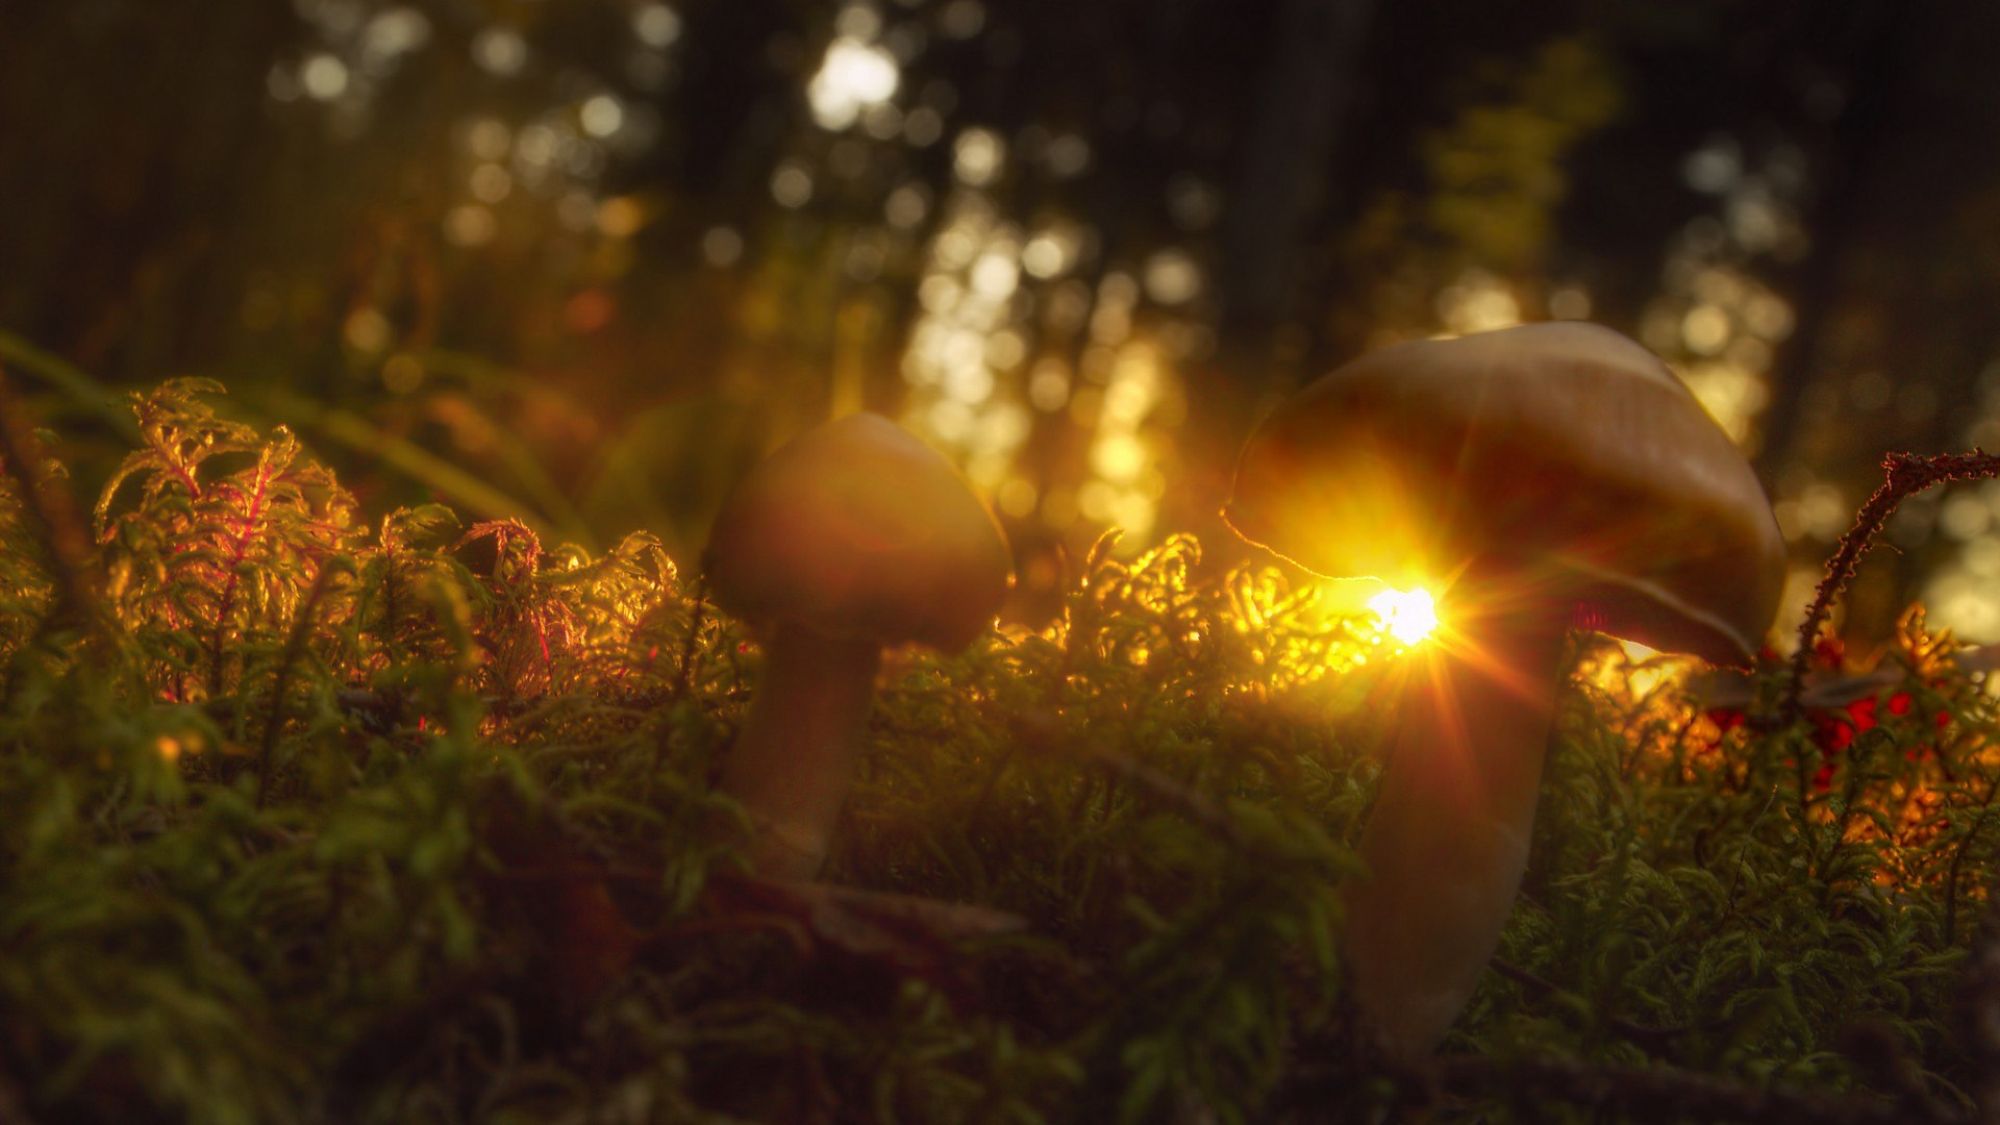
{"type": "Point", "coordinates": [1726, 719]}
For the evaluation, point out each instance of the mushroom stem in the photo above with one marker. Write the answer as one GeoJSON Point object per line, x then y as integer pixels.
{"type": "Point", "coordinates": [792, 764]}
{"type": "Point", "coordinates": [1448, 838]}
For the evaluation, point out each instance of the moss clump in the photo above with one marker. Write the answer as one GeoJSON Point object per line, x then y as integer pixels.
{"type": "Point", "coordinates": [316, 820]}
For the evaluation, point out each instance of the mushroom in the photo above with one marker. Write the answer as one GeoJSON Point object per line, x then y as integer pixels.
{"type": "Point", "coordinates": [852, 537]}
{"type": "Point", "coordinates": [1544, 476]}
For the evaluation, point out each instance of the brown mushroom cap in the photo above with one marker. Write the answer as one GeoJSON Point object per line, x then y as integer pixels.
{"type": "Point", "coordinates": [1564, 455]}
{"type": "Point", "coordinates": [858, 530]}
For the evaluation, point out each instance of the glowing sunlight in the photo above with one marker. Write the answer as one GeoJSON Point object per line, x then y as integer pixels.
{"type": "Point", "coordinates": [1407, 615]}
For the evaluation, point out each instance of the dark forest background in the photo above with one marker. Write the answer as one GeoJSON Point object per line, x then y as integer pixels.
{"type": "Point", "coordinates": [581, 261]}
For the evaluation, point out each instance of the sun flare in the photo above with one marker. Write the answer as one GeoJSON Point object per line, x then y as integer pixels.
{"type": "Point", "coordinates": [1407, 615]}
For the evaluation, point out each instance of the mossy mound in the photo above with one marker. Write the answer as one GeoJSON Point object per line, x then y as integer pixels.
{"type": "Point", "coordinates": [303, 819]}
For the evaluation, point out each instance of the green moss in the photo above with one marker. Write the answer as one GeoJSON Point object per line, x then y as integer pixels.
{"type": "Point", "coordinates": [411, 822]}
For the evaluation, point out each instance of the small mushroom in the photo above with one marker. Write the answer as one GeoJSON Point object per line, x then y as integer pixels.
{"type": "Point", "coordinates": [852, 537]}
{"type": "Point", "coordinates": [1541, 476]}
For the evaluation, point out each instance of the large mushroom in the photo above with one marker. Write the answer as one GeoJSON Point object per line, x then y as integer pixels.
{"type": "Point", "coordinates": [1534, 478]}
{"type": "Point", "coordinates": [852, 537]}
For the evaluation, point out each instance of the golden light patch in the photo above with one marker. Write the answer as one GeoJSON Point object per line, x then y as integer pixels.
{"type": "Point", "coordinates": [1409, 616]}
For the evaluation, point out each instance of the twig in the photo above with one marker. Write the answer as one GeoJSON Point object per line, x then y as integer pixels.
{"type": "Point", "coordinates": [1904, 474]}
{"type": "Point", "coordinates": [1627, 1093]}
{"type": "Point", "coordinates": [1653, 1093]}
{"type": "Point", "coordinates": [1884, 1061]}
{"type": "Point", "coordinates": [1652, 1038]}
{"type": "Point", "coordinates": [1196, 806]}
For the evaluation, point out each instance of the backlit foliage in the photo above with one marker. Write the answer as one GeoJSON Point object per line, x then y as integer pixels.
{"type": "Point", "coordinates": [412, 821]}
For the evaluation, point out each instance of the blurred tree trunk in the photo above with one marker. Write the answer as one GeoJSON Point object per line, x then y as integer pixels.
{"type": "Point", "coordinates": [1287, 161]}
{"type": "Point", "coordinates": [1285, 164]}
{"type": "Point", "coordinates": [132, 137]}
{"type": "Point", "coordinates": [1901, 283]}
{"type": "Point", "coordinates": [1874, 100]}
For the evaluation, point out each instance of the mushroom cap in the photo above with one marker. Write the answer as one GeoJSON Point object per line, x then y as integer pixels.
{"type": "Point", "coordinates": [856, 529]}
{"type": "Point", "coordinates": [1564, 456]}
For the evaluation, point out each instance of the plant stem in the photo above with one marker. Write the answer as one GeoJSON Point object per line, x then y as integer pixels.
{"type": "Point", "coordinates": [1903, 474]}
{"type": "Point", "coordinates": [1448, 838]}
{"type": "Point", "coordinates": [792, 764]}
{"type": "Point", "coordinates": [233, 575]}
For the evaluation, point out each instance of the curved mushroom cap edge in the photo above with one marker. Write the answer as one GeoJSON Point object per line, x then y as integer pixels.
{"type": "Point", "coordinates": [1565, 455]}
